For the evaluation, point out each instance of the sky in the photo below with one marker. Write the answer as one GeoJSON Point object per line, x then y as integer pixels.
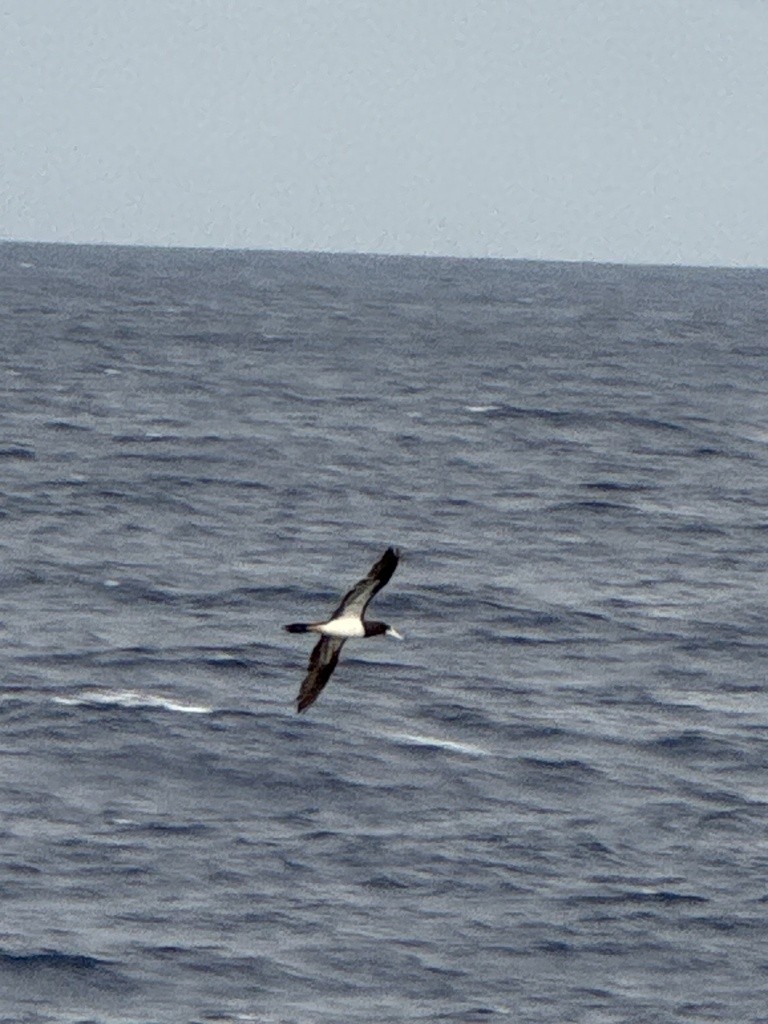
{"type": "Point", "coordinates": [630, 131]}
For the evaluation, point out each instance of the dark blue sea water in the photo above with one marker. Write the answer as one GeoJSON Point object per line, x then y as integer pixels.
{"type": "Point", "coordinates": [548, 806]}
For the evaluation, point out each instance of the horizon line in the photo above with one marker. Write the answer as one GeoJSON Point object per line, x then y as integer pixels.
{"type": "Point", "coordinates": [372, 254]}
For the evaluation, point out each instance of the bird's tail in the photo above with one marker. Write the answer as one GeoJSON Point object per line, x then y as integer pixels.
{"type": "Point", "coordinates": [297, 627]}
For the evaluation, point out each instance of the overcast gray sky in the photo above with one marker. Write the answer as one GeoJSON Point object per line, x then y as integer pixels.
{"type": "Point", "coordinates": [620, 130]}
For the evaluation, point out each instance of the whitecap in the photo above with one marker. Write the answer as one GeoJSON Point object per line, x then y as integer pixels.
{"type": "Point", "coordinates": [482, 408]}
{"type": "Point", "coordinates": [438, 741]}
{"type": "Point", "coordinates": [132, 699]}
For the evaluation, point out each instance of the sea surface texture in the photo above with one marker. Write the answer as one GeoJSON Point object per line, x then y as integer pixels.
{"type": "Point", "coordinates": [549, 805]}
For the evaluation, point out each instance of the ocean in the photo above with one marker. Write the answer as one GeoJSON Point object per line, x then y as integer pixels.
{"type": "Point", "coordinates": [548, 805]}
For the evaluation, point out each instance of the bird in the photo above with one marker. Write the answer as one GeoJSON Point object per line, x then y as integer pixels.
{"type": "Point", "coordinates": [346, 622]}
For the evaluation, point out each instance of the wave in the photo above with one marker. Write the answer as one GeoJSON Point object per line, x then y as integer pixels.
{"type": "Point", "coordinates": [132, 699]}
{"type": "Point", "coordinates": [665, 897]}
{"type": "Point", "coordinates": [18, 452]}
{"type": "Point", "coordinates": [413, 739]}
{"type": "Point", "coordinates": [42, 973]}
{"type": "Point", "coordinates": [51, 958]}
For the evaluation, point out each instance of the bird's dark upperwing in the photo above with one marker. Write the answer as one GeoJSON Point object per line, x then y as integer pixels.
{"type": "Point", "coordinates": [322, 662]}
{"type": "Point", "coordinates": [355, 602]}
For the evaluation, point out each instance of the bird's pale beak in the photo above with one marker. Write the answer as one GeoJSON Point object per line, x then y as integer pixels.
{"type": "Point", "coordinates": [393, 632]}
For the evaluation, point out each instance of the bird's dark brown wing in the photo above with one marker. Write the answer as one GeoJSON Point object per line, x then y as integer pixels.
{"type": "Point", "coordinates": [356, 601]}
{"type": "Point", "coordinates": [322, 662]}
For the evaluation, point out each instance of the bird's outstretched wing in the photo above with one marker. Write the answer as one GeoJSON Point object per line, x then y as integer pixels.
{"type": "Point", "coordinates": [322, 662]}
{"type": "Point", "coordinates": [356, 601]}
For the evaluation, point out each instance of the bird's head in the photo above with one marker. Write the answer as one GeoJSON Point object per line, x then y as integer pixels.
{"type": "Point", "coordinates": [381, 629]}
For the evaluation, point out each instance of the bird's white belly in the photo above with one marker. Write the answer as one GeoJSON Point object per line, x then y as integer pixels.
{"type": "Point", "coordinates": [346, 626]}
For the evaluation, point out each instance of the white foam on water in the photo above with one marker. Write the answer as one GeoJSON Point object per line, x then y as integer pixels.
{"type": "Point", "coordinates": [132, 699]}
{"type": "Point", "coordinates": [438, 741]}
{"type": "Point", "coordinates": [482, 408]}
